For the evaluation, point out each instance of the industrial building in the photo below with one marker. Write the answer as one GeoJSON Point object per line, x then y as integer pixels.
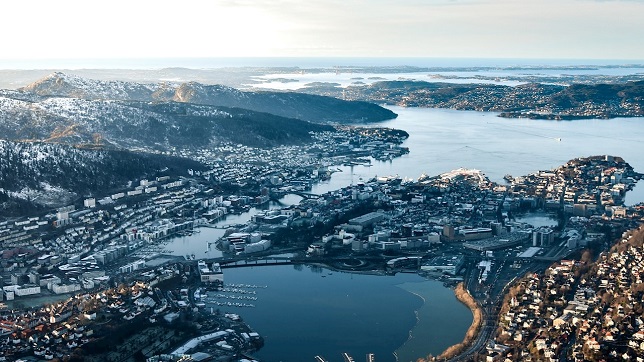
{"type": "Point", "coordinates": [367, 219]}
{"type": "Point", "coordinates": [512, 239]}
{"type": "Point", "coordinates": [444, 264]}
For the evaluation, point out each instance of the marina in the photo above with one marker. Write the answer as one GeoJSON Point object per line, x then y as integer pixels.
{"type": "Point", "coordinates": [349, 319]}
{"type": "Point", "coordinates": [232, 296]}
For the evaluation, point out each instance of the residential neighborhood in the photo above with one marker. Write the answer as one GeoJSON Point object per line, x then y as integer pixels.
{"type": "Point", "coordinates": [577, 309]}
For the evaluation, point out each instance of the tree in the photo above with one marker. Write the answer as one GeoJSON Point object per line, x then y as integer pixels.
{"type": "Point", "coordinates": [586, 256]}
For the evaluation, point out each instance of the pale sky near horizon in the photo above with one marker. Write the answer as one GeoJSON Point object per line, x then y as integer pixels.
{"type": "Point", "coordinates": [578, 29]}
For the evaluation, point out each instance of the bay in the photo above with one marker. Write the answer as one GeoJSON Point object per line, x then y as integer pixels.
{"type": "Point", "coordinates": [308, 310]}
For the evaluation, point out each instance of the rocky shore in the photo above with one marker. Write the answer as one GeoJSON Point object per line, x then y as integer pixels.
{"type": "Point", "coordinates": [464, 297]}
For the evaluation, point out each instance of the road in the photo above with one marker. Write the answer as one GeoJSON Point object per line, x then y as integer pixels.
{"type": "Point", "coordinates": [491, 301]}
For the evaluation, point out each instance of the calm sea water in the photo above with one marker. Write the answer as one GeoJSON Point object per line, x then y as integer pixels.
{"type": "Point", "coordinates": [442, 140]}
{"type": "Point", "coordinates": [306, 311]}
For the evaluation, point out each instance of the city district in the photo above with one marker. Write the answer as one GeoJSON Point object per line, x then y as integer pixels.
{"type": "Point", "coordinates": [87, 277]}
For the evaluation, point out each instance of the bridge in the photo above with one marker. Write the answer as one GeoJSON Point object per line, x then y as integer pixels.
{"type": "Point", "coordinates": [223, 227]}
{"type": "Point", "coordinates": [306, 195]}
{"type": "Point", "coordinates": [239, 263]}
{"type": "Point", "coordinates": [302, 194]}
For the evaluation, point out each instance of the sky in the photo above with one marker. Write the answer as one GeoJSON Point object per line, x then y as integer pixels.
{"type": "Point", "coordinates": [542, 29]}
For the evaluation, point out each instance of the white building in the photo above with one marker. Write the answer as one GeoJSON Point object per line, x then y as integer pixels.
{"type": "Point", "coordinates": [65, 288]}
{"type": "Point", "coordinates": [21, 291]}
{"type": "Point", "coordinates": [212, 274]}
{"type": "Point", "coordinates": [257, 247]}
{"type": "Point", "coordinates": [132, 266]}
{"type": "Point", "coordinates": [89, 203]}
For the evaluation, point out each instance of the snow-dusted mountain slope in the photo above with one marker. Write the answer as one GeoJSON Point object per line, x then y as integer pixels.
{"type": "Point", "coordinates": [157, 126]}
{"type": "Point", "coordinates": [312, 108]}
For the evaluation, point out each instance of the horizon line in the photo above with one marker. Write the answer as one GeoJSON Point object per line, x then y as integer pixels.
{"type": "Point", "coordinates": [301, 62]}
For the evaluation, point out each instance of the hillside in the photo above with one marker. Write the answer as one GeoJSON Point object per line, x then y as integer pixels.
{"type": "Point", "coordinates": [36, 175]}
{"type": "Point", "coordinates": [534, 100]}
{"type": "Point", "coordinates": [308, 107]}
{"type": "Point", "coordinates": [159, 126]}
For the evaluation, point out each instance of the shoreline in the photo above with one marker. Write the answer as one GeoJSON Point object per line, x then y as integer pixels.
{"type": "Point", "coordinates": [437, 309]}
{"type": "Point", "coordinates": [464, 297]}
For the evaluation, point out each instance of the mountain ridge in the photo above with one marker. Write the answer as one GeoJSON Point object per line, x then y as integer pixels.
{"type": "Point", "coordinates": [155, 126]}
{"type": "Point", "coordinates": [307, 107]}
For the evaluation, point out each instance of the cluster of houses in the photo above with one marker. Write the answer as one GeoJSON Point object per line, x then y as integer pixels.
{"type": "Point", "coordinates": [57, 329]}
{"type": "Point", "coordinates": [242, 165]}
{"type": "Point", "coordinates": [589, 311]}
{"type": "Point", "coordinates": [106, 229]}
{"type": "Point", "coordinates": [76, 246]}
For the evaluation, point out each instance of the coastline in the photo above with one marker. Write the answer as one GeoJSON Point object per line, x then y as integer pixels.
{"type": "Point", "coordinates": [464, 297]}
{"type": "Point", "coordinates": [425, 339]}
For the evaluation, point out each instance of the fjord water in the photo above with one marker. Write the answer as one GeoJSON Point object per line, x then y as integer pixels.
{"type": "Point", "coordinates": [307, 310]}
{"type": "Point", "coordinates": [442, 140]}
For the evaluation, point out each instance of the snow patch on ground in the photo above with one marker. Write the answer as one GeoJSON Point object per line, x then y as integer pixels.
{"type": "Point", "coordinates": [50, 196]}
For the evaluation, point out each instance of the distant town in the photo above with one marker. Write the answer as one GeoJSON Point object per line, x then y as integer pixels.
{"type": "Point", "coordinates": [537, 99]}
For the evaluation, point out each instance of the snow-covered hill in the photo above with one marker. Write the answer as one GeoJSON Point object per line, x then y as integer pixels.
{"type": "Point", "coordinates": [36, 175]}
{"type": "Point", "coordinates": [154, 126]}
{"type": "Point", "coordinates": [312, 108]}
{"type": "Point", "coordinates": [67, 85]}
